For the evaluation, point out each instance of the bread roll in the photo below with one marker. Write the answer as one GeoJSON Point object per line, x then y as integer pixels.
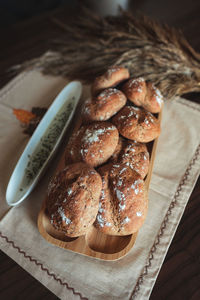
{"type": "Point", "coordinates": [123, 200]}
{"type": "Point", "coordinates": [92, 144]}
{"type": "Point", "coordinates": [135, 90]}
{"type": "Point", "coordinates": [112, 77]}
{"type": "Point", "coordinates": [73, 199]}
{"type": "Point", "coordinates": [104, 106]}
{"type": "Point", "coordinates": [137, 124]}
{"type": "Point", "coordinates": [143, 94]}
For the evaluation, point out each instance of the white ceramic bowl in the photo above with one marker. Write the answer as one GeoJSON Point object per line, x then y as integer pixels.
{"type": "Point", "coordinates": [43, 144]}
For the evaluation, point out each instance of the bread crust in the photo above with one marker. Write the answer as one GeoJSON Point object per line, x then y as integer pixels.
{"type": "Point", "coordinates": [93, 143]}
{"type": "Point", "coordinates": [137, 124]}
{"type": "Point", "coordinates": [123, 201]}
{"type": "Point", "coordinates": [111, 78]}
{"type": "Point", "coordinates": [133, 154]}
{"type": "Point", "coordinates": [104, 106]}
{"type": "Point", "coordinates": [135, 90]}
{"type": "Point", "coordinates": [143, 94]}
{"type": "Point", "coordinates": [73, 199]}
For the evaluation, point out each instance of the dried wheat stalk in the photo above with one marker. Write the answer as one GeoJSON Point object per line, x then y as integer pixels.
{"type": "Point", "coordinates": [91, 44]}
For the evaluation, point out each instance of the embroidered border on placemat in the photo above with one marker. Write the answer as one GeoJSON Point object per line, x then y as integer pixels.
{"type": "Point", "coordinates": [37, 263]}
{"type": "Point", "coordinates": [164, 223]}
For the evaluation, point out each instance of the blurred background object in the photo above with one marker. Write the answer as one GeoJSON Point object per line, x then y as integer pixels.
{"type": "Point", "coordinates": [12, 11]}
{"type": "Point", "coordinates": [107, 7]}
{"type": "Point", "coordinates": [173, 12]}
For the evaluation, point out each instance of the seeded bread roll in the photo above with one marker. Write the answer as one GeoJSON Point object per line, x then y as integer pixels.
{"type": "Point", "coordinates": [133, 154]}
{"type": "Point", "coordinates": [92, 144]}
{"type": "Point", "coordinates": [143, 94]}
{"type": "Point", "coordinates": [123, 200]}
{"type": "Point", "coordinates": [73, 199]}
{"type": "Point", "coordinates": [104, 106]}
{"type": "Point", "coordinates": [112, 77]}
{"type": "Point", "coordinates": [135, 90]}
{"type": "Point", "coordinates": [137, 124]}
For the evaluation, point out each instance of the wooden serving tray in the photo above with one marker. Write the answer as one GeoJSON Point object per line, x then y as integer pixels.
{"type": "Point", "coordinates": [94, 243]}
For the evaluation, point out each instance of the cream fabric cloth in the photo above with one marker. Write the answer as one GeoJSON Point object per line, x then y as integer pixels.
{"type": "Point", "coordinates": [73, 276]}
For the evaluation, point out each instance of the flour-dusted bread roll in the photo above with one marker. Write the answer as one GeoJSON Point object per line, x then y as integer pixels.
{"type": "Point", "coordinates": [133, 154]}
{"type": "Point", "coordinates": [123, 200]}
{"type": "Point", "coordinates": [104, 106]}
{"type": "Point", "coordinates": [112, 77]}
{"type": "Point", "coordinates": [137, 124]}
{"type": "Point", "coordinates": [143, 94]}
{"type": "Point", "coordinates": [73, 199]}
{"type": "Point", "coordinates": [93, 143]}
{"type": "Point", "coordinates": [135, 90]}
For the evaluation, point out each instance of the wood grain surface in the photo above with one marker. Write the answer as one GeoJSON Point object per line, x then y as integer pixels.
{"type": "Point", "coordinates": [179, 277]}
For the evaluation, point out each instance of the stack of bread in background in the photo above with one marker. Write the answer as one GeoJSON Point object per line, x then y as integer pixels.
{"type": "Point", "coordinates": [107, 159]}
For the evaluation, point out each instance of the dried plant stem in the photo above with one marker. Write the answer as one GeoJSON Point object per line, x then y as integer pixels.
{"type": "Point", "coordinates": [90, 44]}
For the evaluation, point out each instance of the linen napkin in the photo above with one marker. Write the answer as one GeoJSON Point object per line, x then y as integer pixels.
{"type": "Point", "coordinates": [73, 276]}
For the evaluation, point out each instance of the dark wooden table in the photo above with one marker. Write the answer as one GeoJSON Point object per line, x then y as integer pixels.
{"type": "Point", "coordinates": [179, 277]}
